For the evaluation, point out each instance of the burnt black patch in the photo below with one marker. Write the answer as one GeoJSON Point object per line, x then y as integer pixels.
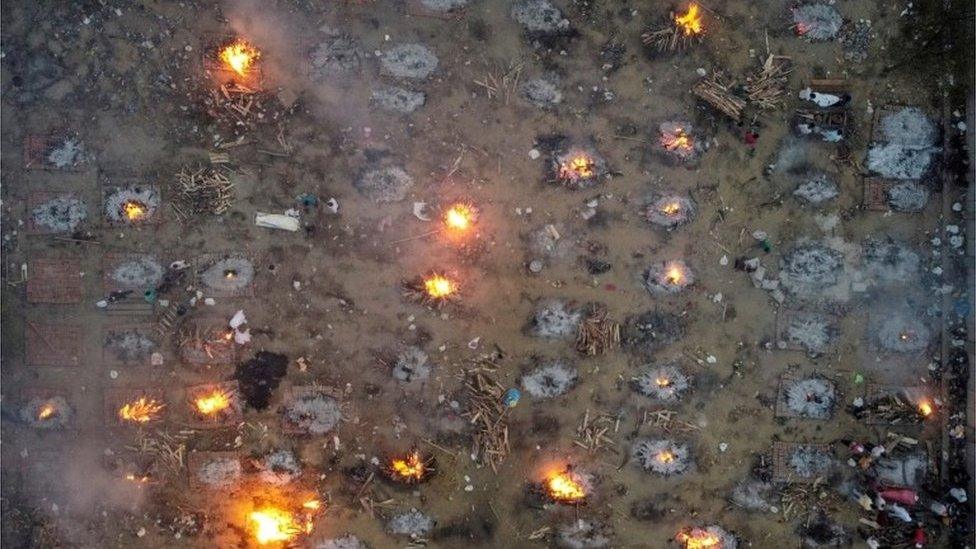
{"type": "Point", "coordinates": [260, 376]}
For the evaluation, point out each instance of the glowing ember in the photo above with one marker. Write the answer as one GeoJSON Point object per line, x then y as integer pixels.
{"type": "Point", "coordinates": [143, 410]}
{"type": "Point", "coordinates": [580, 166]}
{"type": "Point", "coordinates": [272, 524]}
{"type": "Point", "coordinates": [665, 456]}
{"type": "Point", "coordinates": [134, 210]}
{"type": "Point", "coordinates": [459, 217]}
{"type": "Point", "coordinates": [905, 336]}
{"type": "Point", "coordinates": [565, 487]}
{"type": "Point", "coordinates": [408, 469]}
{"type": "Point", "coordinates": [46, 412]}
{"type": "Point", "coordinates": [239, 56]}
{"type": "Point", "coordinates": [691, 22]}
{"type": "Point", "coordinates": [312, 504]}
{"type": "Point", "coordinates": [671, 208]}
{"type": "Point", "coordinates": [136, 479]}
{"type": "Point", "coordinates": [677, 141]}
{"type": "Point", "coordinates": [698, 539]}
{"type": "Point", "coordinates": [213, 402]}
{"type": "Point", "coordinates": [674, 275]}
{"type": "Point", "coordinates": [439, 287]}
{"type": "Point", "coordinates": [925, 408]}
{"type": "Point", "coordinates": [230, 274]}
{"type": "Point", "coordinates": [663, 382]}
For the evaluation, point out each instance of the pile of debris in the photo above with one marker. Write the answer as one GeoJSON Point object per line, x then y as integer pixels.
{"type": "Point", "coordinates": [206, 191]}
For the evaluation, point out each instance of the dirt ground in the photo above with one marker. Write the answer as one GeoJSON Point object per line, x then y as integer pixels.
{"type": "Point", "coordinates": [128, 79]}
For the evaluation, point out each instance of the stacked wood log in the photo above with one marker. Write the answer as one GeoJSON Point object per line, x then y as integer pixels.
{"type": "Point", "coordinates": [202, 191]}
{"type": "Point", "coordinates": [717, 91]}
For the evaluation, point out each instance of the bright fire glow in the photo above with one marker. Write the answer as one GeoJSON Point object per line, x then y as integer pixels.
{"type": "Point", "coordinates": [312, 504]}
{"type": "Point", "coordinates": [663, 382]}
{"type": "Point", "coordinates": [134, 210]}
{"type": "Point", "coordinates": [410, 468]}
{"type": "Point", "coordinates": [578, 167]}
{"type": "Point", "coordinates": [142, 410]}
{"type": "Point", "coordinates": [272, 524]}
{"type": "Point", "coordinates": [665, 457]}
{"type": "Point", "coordinates": [925, 408]}
{"type": "Point", "coordinates": [438, 286]}
{"type": "Point", "coordinates": [671, 208]}
{"type": "Point", "coordinates": [459, 217]}
{"type": "Point", "coordinates": [239, 56]}
{"type": "Point", "coordinates": [674, 275]}
{"type": "Point", "coordinates": [137, 479]}
{"type": "Point", "coordinates": [565, 487]}
{"type": "Point", "coordinates": [213, 402]}
{"type": "Point", "coordinates": [46, 412]}
{"type": "Point", "coordinates": [691, 22]}
{"type": "Point", "coordinates": [677, 141]}
{"type": "Point", "coordinates": [698, 539]}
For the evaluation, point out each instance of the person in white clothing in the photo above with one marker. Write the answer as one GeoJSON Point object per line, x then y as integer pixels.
{"type": "Point", "coordinates": [824, 99]}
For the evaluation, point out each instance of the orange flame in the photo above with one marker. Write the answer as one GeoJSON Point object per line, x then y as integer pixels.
{"type": "Point", "coordinates": [691, 22]}
{"type": "Point", "coordinates": [410, 468]}
{"type": "Point", "coordinates": [671, 208]}
{"type": "Point", "coordinates": [239, 56]}
{"type": "Point", "coordinates": [663, 382]}
{"type": "Point", "coordinates": [439, 287]}
{"type": "Point", "coordinates": [459, 217]}
{"type": "Point", "coordinates": [925, 408]}
{"type": "Point", "coordinates": [566, 487]}
{"type": "Point", "coordinates": [143, 410]}
{"type": "Point", "coordinates": [213, 402]}
{"type": "Point", "coordinates": [137, 479]}
{"type": "Point", "coordinates": [272, 524]}
{"type": "Point", "coordinates": [699, 539]}
{"type": "Point", "coordinates": [46, 412]}
{"type": "Point", "coordinates": [580, 166]}
{"type": "Point", "coordinates": [134, 210]}
{"type": "Point", "coordinates": [665, 456]}
{"type": "Point", "coordinates": [674, 275]}
{"type": "Point", "coordinates": [677, 141]}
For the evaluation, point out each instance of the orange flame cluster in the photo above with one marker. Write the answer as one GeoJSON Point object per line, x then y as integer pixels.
{"type": "Point", "coordinates": [132, 477]}
{"type": "Point", "coordinates": [410, 468]}
{"type": "Point", "coordinates": [459, 217]}
{"type": "Point", "coordinates": [46, 412]}
{"type": "Point", "coordinates": [272, 524]}
{"type": "Point", "coordinates": [579, 166]}
{"type": "Point", "coordinates": [671, 208]}
{"type": "Point", "coordinates": [925, 408]}
{"type": "Point", "coordinates": [677, 141]}
{"type": "Point", "coordinates": [663, 382]}
{"type": "Point", "coordinates": [439, 286]}
{"type": "Point", "coordinates": [239, 56]}
{"type": "Point", "coordinates": [565, 487]}
{"type": "Point", "coordinates": [665, 456]}
{"type": "Point", "coordinates": [134, 210]}
{"type": "Point", "coordinates": [698, 539]}
{"type": "Point", "coordinates": [141, 410]}
{"type": "Point", "coordinates": [674, 274]}
{"type": "Point", "coordinates": [213, 402]}
{"type": "Point", "coordinates": [691, 22]}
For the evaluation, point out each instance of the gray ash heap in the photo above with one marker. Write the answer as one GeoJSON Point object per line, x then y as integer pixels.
{"type": "Point", "coordinates": [550, 379]}
{"type": "Point", "coordinates": [312, 413]}
{"type": "Point", "coordinates": [347, 541]}
{"type": "Point", "coordinates": [576, 166]}
{"type": "Point", "coordinates": [902, 334]}
{"type": "Point", "coordinates": [809, 461]}
{"type": "Point", "coordinates": [889, 261]}
{"type": "Point", "coordinates": [584, 534]}
{"type": "Point", "coordinates": [411, 61]}
{"type": "Point", "coordinates": [662, 383]}
{"type": "Point", "coordinates": [398, 100]}
{"type": "Point", "coordinates": [336, 56]}
{"type": "Point", "coordinates": [907, 197]}
{"type": "Point", "coordinates": [382, 185]}
{"type": "Point", "coordinates": [540, 18]}
{"type": "Point", "coordinates": [412, 523]}
{"type": "Point", "coordinates": [817, 22]}
{"type": "Point", "coordinates": [908, 145]}
{"type": "Point", "coordinates": [143, 272]}
{"type": "Point", "coordinates": [46, 413]}
{"type": "Point", "coordinates": [816, 188]}
{"type": "Point", "coordinates": [66, 153]}
{"type": "Point", "coordinates": [279, 467]}
{"type": "Point", "coordinates": [754, 495]}
{"type": "Point", "coordinates": [814, 332]}
{"type": "Point", "coordinates": [812, 398]}
{"type": "Point", "coordinates": [229, 274]}
{"type": "Point", "coordinates": [663, 457]}
{"type": "Point", "coordinates": [812, 266]}
{"type": "Point", "coordinates": [678, 141]}
{"type": "Point", "coordinates": [411, 365]}
{"type": "Point", "coordinates": [668, 277]}
{"type": "Point", "coordinates": [131, 205]}
{"type": "Point", "coordinates": [543, 92]}
{"type": "Point", "coordinates": [129, 345]}
{"type": "Point", "coordinates": [60, 214]}
{"type": "Point", "coordinates": [220, 472]}
{"type": "Point", "coordinates": [652, 330]}
{"type": "Point", "coordinates": [555, 319]}
{"type": "Point", "coordinates": [670, 210]}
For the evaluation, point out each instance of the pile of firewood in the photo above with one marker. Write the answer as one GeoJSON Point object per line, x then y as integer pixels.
{"type": "Point", "coordinates": [597, 334]}
{"type": "Point", "coordinates": [204, 191]}
{"type": "Point", "coordinates": [487, 411]}
{"type": "Point", "coordinates": [718, 91]}
{"type": "Point", "coordinates": [767, 88]}
{"type": "Point", "coordinates": [888, 409]}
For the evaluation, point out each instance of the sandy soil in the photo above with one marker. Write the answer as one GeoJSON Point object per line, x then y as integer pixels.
{"type": "Point", "coordinates": [127, 78]}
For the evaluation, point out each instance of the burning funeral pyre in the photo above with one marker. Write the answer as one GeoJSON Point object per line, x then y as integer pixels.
{"type": "Point", "coordinates": [227, 275]}
{"type": "Point", "coordinates": [573, 166]}
{"type": "Point", "coordinates": [710, 537]}
{"type": "Point", "coordinates": [215, 404]}
{"type": "Point", "coordinates": [239, 57]}
{"type": "Point", "coordinates": [459, 218]}
{"type": "Point", "coordinates": [311, 411]}
{"type": "Point", "coordinates": [433, 290]}
{"type": "Point", "coordinates": [201, 342]}
{"type": "Point", "coordinates": [283, 523]}
{"type": "Point", "coordinates": [682, 30]}
{"type": "Point", "coordinates": [46, 413]}
{"type": "Point", "coordinates": [812, 398]}
{"type": "Point", "coordinates": [678, 141]}
{"type": "Point", "coordinates": [565, 485]}
{"type": "Point", "coordinates": [131, 205]}
{"type": "Point", "coordinates": [662, 457]}
{"type": "Point", "coordinates": [412, 467]}
{"type": "Point", "coordinates": [670, 210]}
{"type": "Point", "coordinates": [668, 277]}
{"type": "Point", "coordinates": [893, 408]}
{"type": "Point", "coordinates": [663, 383]}
{"type": "Point", "coordinates": [141, 410]}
